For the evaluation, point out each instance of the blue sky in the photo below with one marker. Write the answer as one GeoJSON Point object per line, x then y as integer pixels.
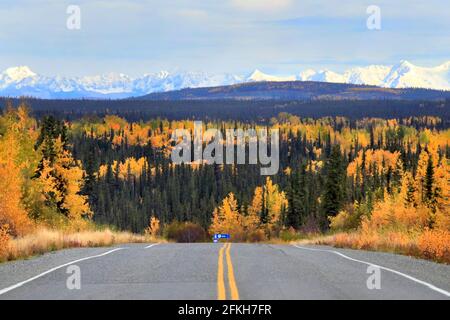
{"type": "Point", "coordinates": [236, 36]}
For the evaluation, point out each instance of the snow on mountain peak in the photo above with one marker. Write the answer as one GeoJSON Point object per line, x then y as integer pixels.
{"type": "Point", "coordinates": [19, 73]}
{"type": "Point", "coordinates": [307, 74]}
{"type": "Point", "coordinates": [370, 75]}
{"type": "Point", "coordinates": [443, 67]}
{"type": "Point", "coordinates": [406, 64]}
{"type": "Point", "coordinates": [19, 81]}
{"type": "Point", "coordinates": [258, 76]}
{"type": "Point", "coordinates": [321, 76]}
{"type": "Point", "coordinates": [407, 75]}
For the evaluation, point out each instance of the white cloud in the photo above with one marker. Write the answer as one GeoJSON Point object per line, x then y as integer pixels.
{"type": "Point", "coordinates": [262, 5]}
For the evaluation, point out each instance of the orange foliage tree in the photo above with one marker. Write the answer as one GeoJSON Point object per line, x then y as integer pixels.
{"type": "Point", "coordinates": [12, 210]}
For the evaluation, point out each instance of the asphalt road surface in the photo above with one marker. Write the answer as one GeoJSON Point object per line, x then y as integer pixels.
{"type": "Point", "coordinates": [222, 271]}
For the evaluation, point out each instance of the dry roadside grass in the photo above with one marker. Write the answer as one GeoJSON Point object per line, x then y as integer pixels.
{"type": "Point", "coordinates": [46, 240]}
{"type": "Point", "coordinates": [431, 244]}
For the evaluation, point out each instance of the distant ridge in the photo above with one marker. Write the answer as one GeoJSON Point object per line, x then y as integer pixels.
{"type": "Point", "coordinates": [297, 90]}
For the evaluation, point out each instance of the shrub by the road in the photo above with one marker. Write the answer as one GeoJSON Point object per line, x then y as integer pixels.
{"type": "Point", "coordinates": [185, 232]}
{"type": "Point", "coordinates": [435, 244]}
{"type": "Point", "coordinates": [395, 227]}
{"type": "Point", "coordinates": [4, 241]}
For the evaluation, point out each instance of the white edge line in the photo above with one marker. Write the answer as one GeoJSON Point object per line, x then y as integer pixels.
{"type": "Point", "coordinates": [429, 285]}
{"type": "Point", "coordinates": [152, 245]}
{"type": "Point", "coordinates": [15, 286]}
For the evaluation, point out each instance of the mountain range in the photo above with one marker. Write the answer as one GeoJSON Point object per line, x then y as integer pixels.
{"type": "Point", "coordinates": [22, 81]}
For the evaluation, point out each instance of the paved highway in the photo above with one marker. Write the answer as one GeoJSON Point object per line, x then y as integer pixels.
{"type": "Point", "coordinates": [222, 271]}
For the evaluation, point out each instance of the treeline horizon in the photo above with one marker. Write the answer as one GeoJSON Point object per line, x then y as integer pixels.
{"type": "Point", "coordinates": [250, 111]}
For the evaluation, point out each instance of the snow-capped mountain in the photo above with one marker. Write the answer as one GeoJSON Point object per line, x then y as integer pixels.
{"type": "Point", "coordinates": [405, 74]}
{"type": "Point", "coordinates": [370, 75]}
{"type": "Point", "coordinates": [22, 81]}
{"type": "Point", "coordinates": [257, 76]}
{"type": "Point", "coordinates": [15, 75]}
{"type": "Point", "coordinates": [321, 76]}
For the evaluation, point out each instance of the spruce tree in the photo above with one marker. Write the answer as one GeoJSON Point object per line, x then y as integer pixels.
{"type": "Point", "coordinates": [428, 189]}
{"type": "Point", "coordinates": [334, 189]}
{"type": "Point", "coordinates": [296, 199]}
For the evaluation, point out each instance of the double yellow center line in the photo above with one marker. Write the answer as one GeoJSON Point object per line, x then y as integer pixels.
{"type": "Point", "coordinates": [221, 292]}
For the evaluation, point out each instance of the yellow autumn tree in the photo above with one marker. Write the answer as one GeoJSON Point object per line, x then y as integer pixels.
{"type": "Point", "coordinates": [266, 207]}
{"type": "Point", "coordinates": [252, 220]}
{"type": "Point", "coordinates": [227, 219]}
{"type": "Point", "coordinates": [130, 168]}
{"type": "Point", "coordinates": [442, 191]}
{"type": "Point", "coordinates": [393, 215]}
{"type": "Point", "coordinates": [28, 159]}
{"type": "Point", "coordinates": [275, 203]}
{"type": "Point", "coordinates": [380, 160]}
{"type": "Point", "coordinates": [421, 172]}
{"type": "Point", "coordinates": [153, 227]}
{"type": "Point", "coordinates": [62, 182]}
{"type": "Point", "coordinates": [432, 187]}
{"type": "Point", "coordinates": [12, 212]}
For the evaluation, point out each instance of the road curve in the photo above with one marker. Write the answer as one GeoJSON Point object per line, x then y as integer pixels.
{"type": "Point", "coordinates": [223, 271]}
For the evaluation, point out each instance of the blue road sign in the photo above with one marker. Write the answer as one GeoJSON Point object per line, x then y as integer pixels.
{"type": "Point", "coordinates": [221, 236]}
